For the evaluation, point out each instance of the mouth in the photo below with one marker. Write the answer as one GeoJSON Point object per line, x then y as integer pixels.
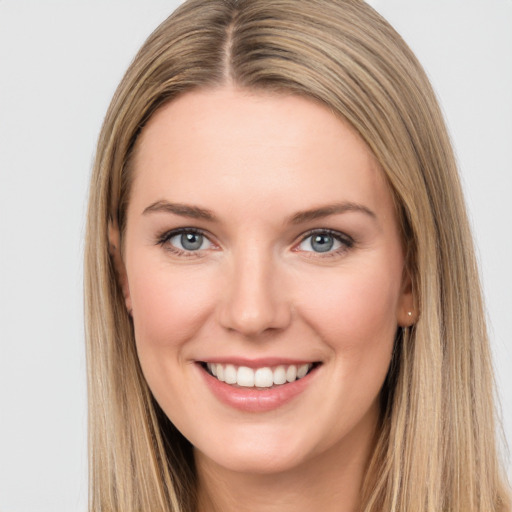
{"type": "Point", "coordinates": [265, 377]}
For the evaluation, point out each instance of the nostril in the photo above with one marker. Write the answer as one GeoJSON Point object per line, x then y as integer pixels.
{"type": "Point", "coordinates": [254, 319]}
{"type": "Point", "coordinates": [253, 302]}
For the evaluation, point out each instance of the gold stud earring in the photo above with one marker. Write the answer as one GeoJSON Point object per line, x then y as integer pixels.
{"type": "Point", "coordinates": [409, 313]}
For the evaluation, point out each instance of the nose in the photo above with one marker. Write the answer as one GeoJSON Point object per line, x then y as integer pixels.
{"type": "Point", "coordinates": [254, 299]}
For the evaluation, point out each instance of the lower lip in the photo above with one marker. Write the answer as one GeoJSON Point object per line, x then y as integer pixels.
{"type": "Point", "coordinates": [256, 399]}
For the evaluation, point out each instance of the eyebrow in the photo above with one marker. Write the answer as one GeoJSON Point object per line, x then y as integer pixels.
{"type": "Point", "coordinates": [184, 210]}
{"type": "Point", "coordinates": [194, 212]}
{"type": "Point", "coordinates": [326, 211]}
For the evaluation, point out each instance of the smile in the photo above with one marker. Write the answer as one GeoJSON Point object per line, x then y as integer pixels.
{"type": "Point", "coordinates": [264, 377]}
{"type": "Point", "coordinates": [258, 387]}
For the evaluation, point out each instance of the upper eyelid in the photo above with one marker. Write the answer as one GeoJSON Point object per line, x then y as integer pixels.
{"type": "Point", "coordinates": [163, 241]}
{"type": "Point", "coordinates": [333, 232]}
{"type": "Point", "coordinates": [166, 235]}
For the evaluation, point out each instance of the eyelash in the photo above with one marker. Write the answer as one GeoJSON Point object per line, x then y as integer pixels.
{"type": "Point", "coordinates": [164, 238]}
{"type": "Point", "coordinates": [346, 242]}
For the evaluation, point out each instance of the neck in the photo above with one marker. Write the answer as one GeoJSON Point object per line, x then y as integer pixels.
{"type": "Point", "coordinates": [330, 482]}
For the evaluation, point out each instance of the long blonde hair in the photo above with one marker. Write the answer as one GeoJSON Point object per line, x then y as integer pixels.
{"type": "Point", "coordinates": [436, 447]}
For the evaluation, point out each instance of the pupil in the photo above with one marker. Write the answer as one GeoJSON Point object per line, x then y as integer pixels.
{"type": "Point", "coordinates": [191, 241]}
{"type": "Point", "coordinates": [322, 243]}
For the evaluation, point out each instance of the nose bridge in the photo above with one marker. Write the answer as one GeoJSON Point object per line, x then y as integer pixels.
{"type": "Point", "coordinates": [255, 300]}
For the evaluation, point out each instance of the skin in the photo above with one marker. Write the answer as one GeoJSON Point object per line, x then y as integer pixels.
{"type": "Point", "coordinates": [257, 288]}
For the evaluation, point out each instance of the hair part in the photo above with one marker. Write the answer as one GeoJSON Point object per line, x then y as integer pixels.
{"type": "Point", "coordinates": [435, 449]}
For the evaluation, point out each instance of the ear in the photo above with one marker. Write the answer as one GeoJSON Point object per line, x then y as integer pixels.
{"type": "Point", "coordinates": [114, 249]}
{"type": "Point", "coordinates": [407, 313]}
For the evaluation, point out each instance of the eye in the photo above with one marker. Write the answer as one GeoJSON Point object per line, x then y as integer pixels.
{"type": "Point", "coordinates": [325, 241]}
{"type": "Point", "coordinates": [185, 241]}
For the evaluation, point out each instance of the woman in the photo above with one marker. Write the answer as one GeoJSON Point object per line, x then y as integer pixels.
{"type": "Point", "coordinates": [282, 298]}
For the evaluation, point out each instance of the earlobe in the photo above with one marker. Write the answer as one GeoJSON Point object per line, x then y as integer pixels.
{"type": "Point", "coordinates": [114, 249]}
{"type": "Point", "coordinates": [407, 312]}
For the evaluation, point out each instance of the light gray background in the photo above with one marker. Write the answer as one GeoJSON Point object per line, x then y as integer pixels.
{"type": "Point", "coordinates": [60, 62]}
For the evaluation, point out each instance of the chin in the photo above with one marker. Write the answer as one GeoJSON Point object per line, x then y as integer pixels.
{"type": "Point", "coordinates": [265, 458]}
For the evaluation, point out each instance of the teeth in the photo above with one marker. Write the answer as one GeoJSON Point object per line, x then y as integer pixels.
{"type": "Point", "coordinates": [265, 377]}
{"type": "Point", "coordinates": [279, 376]}
{"type": "Point", "coordinates": [301, 371]}
{"type": "Point", "coordinates": [230, 374]}
{"type": "Point", "coordinates": [291, 373]}
{"type": "Point", "coordinates": [245, 377]}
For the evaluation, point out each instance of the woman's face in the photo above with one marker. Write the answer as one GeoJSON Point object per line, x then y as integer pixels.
{"type": "Point", "coordinates": [262, 243]}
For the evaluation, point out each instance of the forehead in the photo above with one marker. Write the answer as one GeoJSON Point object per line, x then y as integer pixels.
{"type": "Point", "coordinates": [253, 149]}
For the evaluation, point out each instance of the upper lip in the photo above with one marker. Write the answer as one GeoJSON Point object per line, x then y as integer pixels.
{"type": "Point", "coordinates": [257, 363]}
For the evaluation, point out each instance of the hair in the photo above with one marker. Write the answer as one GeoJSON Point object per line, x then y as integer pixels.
{"type": "Point", "coordinates": [436, 444]}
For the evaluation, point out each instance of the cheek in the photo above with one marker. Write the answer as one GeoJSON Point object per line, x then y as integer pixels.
{"type": "Point", "coordinates": [353, 311]}
{"type": "Point", "coordinates": [170, 307]}
{"type": "Point", "coordinates": [169, 304]}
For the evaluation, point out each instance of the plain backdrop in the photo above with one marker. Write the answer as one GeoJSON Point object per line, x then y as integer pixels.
{"type": "Point", "coordinates": [60, 62]}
